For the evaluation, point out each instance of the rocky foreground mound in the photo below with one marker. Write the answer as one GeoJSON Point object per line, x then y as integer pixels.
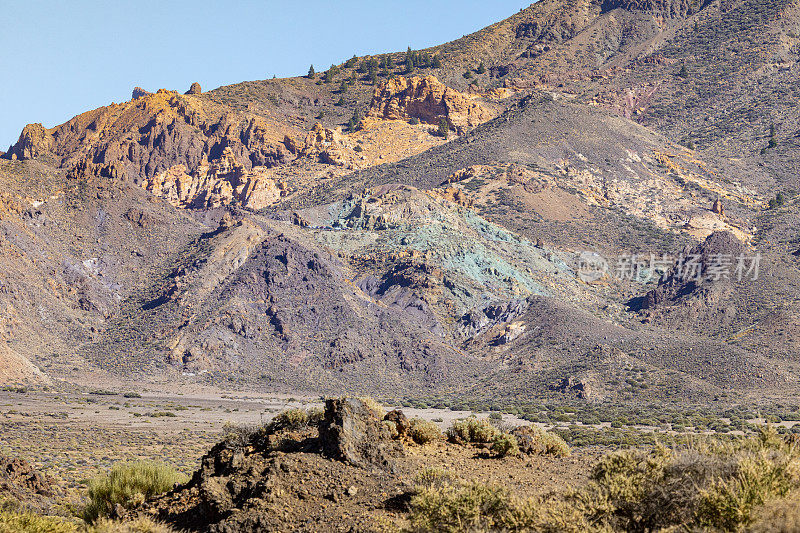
{"type": "Point", "coordinates": [261, 480]}
{"type": "Point", "coordinates": [350, 468]}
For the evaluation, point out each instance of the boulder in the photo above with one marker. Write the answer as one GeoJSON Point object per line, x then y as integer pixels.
{"type": "Point", "coordinates": [351, 432]}
{"type": "Point", "coordinates": [400, 420]}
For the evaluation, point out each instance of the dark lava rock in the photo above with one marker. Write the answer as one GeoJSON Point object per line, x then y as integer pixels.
{"type": "Point", "coordinates": [400, 420]}
{"type": "Point", "coordinates": [350, 432]}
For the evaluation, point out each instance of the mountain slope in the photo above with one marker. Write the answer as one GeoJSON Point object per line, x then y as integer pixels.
{"type": "Point", "coordinates": [380, 229]}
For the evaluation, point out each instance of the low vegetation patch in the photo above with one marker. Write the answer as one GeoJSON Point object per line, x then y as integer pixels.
{"type": "Point", "coordinates": [128, 485]}
{"type": "Point", "coordinates": [290, 419]}
{"type": "Point", "coordinates": [16, 521]}
{"type": "Point", "coordinates": [423, 431]}
{"type": "Point", "coordinates": [533, 440]}
{"type": "Point", "coordinates": [505, 444]}
{"type": "Point", "coordinates": [458, 507]}
{"type": "Point", "coordinates": [471, 430]}
{"type": "Point", "coordinates": [751, 484]}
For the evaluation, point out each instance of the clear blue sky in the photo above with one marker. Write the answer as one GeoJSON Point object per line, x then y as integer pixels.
{"type": "Point", "coordinates": [60, 58]}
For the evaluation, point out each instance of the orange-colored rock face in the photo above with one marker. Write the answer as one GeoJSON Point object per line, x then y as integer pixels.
{"type": "Point", "coordinates": [326, 145]}
{"type": "Point", "coordinates": [222, 182]}
{"type": "Point", "coordinates": [151, 133]}
{"type": "Point", "coordinates": [428, 100]}
{"type": "Point", "coordinates": [33, 141]}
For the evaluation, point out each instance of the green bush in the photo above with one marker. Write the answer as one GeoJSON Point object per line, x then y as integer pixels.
{"type": "Point", "coordinates": [290, 419]}
{"type": "Point", "coordinates": [433, 477]}
{"type": "Point", "coordinates": [471, 430]}
{"type": "Point", "coordinates": [444, 128]}
{"type": "Point", "coordinates": [128, 485]}
{"type": "Point", "coordinates": [533, 440]}
{"type": "Point", "coordinates": [423, 431]}
{"type": "Point", "coordinates": [12, 521]}
{"type": "Point", "coordinates": [711, 485]}
{"type": "Point", "coordinates": [505, 444]}
{"type": "Point", "coordinates": [469, 507]}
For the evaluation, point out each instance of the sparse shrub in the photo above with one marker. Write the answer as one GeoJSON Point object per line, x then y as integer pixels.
{"type": "Point", "coordinates": [505, 444]}
{"type": "Point", "coordinates": [711, 485]}
{"type": "Point", "coordinates": [495, 416]}
{"type": "Point", "coordinates": [469, 507]}
{"type": "Point", "coordinates": [413, 121]}
{"type": "Point", "coordinates": [434, 477]}
{"type": "Point", "coordinates": [132, 395]}
{"type": "Point", "coordinates": [391, 425]}
{"type": "Point", "coordinates": [534, 440]}
{"type": "Point", "coordinates": [162, 414]}
{"type": "Point", "coordinates": [778, 516]}
{"type": "Point", "coordinates": [128, 485]}
{"type": "Point", "coordinates": [444, 128]}
{"type": "Point", "coordinates": [375, 407]}
{"type": "Point", "coordinates": [315, 415]}
{"type": "Point", "coordinates": [139, 525]}
{"type": "Point", "coordinates": [423, 431]}
{"type": "Point", "coordinates": [471, 430]}
{"type": "Point", "coordinates": [23, 521]}
{"type": "Point", "coordinates": [290, 419]}
{"type": "Point", "coordinates": [238, 435]}
{"type": "Point", "coordinates": [778, 201]}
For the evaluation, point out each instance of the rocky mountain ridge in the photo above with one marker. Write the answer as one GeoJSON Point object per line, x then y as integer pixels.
{"type": "Point", "coordinates": [322, 235]}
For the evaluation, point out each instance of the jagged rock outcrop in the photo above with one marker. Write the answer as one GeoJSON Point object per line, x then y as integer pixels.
{"type": "Point", "coordinates": [222, 182]}
{"type": "Point", "coordinates": [34, 141]}
{"type": "Point", "coordinates": [138, 92]}
{"type": "Point", "coordinates": [428, 100]}
{"type": "Point", "coordinates": [21, 483]}
{"type": "Point", "coordinates": [327, 145]}
{"type": "Point", "coordinates": [194, 89]}
{"type": "Point", "coordinates": [666, 8]}
{"type": "Point", "coordinates": [701, 274]}
{"type": "Point", "coordinates": [151, 134]}
{"type": "Point", "coordinates": [399, 420]}
{"type": "Point", "coordinates": [352, 433]}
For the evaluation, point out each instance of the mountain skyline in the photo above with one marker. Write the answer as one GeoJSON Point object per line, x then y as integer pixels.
{"type": "Point", "coordinates": [57, 65]}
